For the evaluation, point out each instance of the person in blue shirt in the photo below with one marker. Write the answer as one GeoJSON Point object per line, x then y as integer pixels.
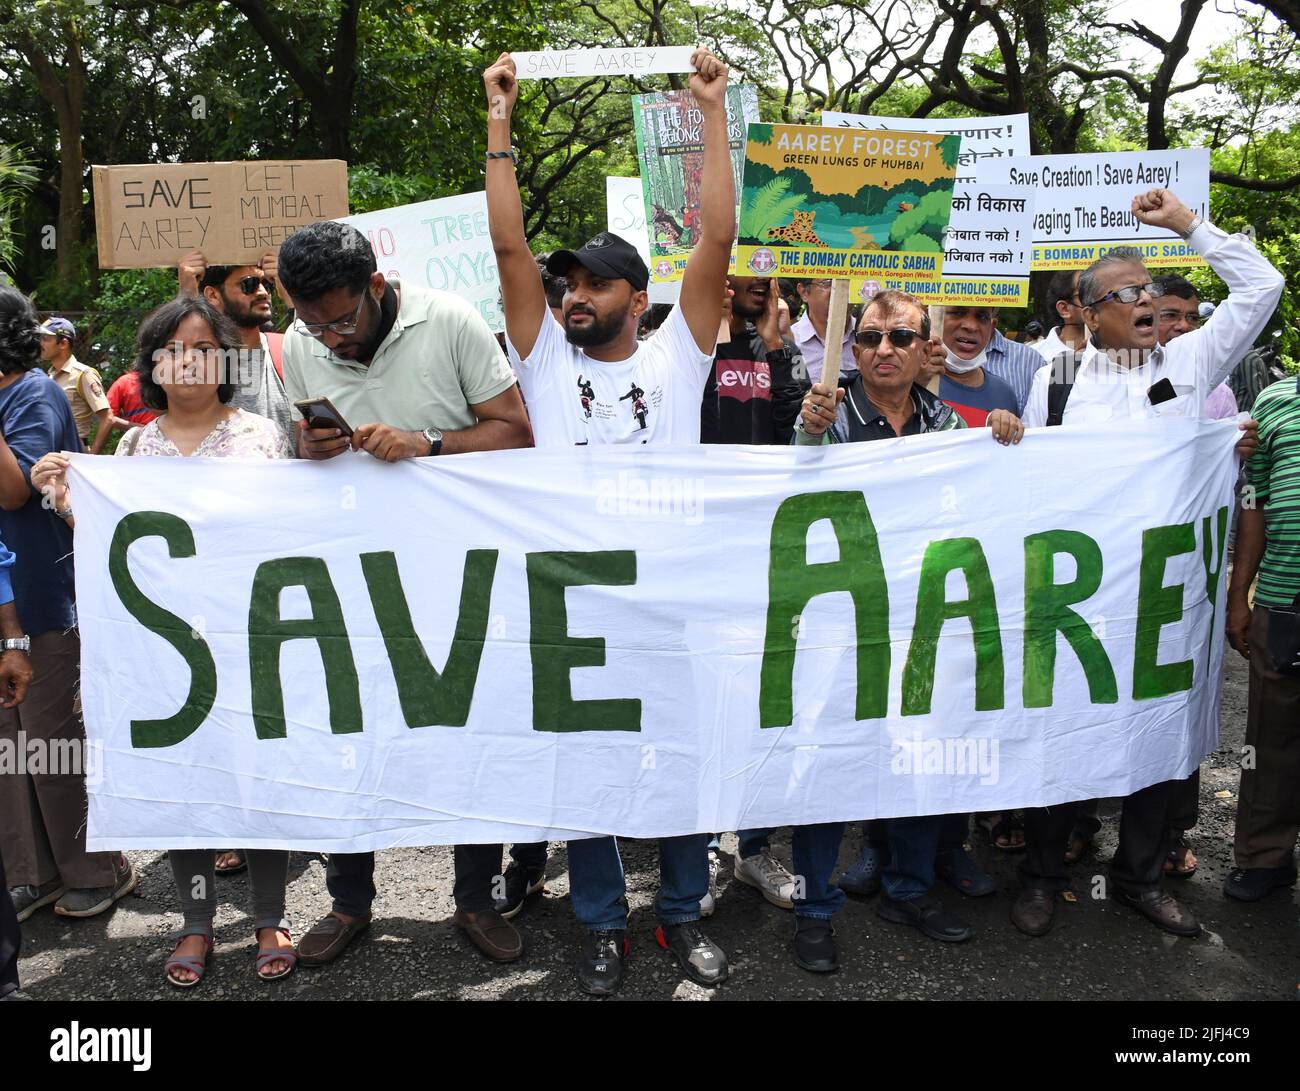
{"type": "Point", "coordinates": [15, 677]}
{"type": "Point", "coordinates": [43, 815]}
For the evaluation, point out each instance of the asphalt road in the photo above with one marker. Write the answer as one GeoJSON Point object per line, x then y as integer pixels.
{"type": "Point", "coordinates": [1098, 950]}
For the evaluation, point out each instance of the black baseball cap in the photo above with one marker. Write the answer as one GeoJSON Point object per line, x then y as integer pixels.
{"type": "Point", "coordinates": [606, 255]}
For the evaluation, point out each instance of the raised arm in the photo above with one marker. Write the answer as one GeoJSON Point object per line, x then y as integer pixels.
{"type": "Point", "coordinates": [1254, 286]}
{"type": "Point", "coordinates": [706, 268]}
{"type": "Point", "coordinates": [522, 294]}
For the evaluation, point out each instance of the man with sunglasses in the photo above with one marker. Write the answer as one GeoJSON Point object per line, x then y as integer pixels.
{"type": "Point", "coordinates": [243, 294]}
{"type": "Point", "coordinates": [1112, 380]}
{"type": "Point", "coordinates": [884, 400]}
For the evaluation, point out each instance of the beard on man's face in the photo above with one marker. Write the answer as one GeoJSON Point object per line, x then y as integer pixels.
{"type": "Point", "coordinates": [240, 312]}
{"type": "Point", "coordinates": [595, 331]}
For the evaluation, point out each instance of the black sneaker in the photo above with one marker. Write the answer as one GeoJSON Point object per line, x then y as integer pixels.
{"type": "Point", "coordinates": [814, 945]}
{"type": "Point", "coordinates": [520, 884]}
{"type": "Point", "coordinates": [600, 966]}
{"type": "Point", "coordinates": [927, 914]}
{"type": "Point", "coordinates": [699, 956]}
{"type": "Point", "coordinates": [1251, 884]}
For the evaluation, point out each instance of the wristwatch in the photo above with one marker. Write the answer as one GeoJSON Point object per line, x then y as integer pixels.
{"type": "Point", "coordinates": [435, 440]}
{"type": "Point", "coordinates": [16, 644]}
{"type": "Point", "coordinates": [1197, 220]}
{"type": "Point", "coordinates": [512, 155]}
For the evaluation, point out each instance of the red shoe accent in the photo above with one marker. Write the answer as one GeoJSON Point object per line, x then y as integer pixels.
{"type": "Point", "coordinates": [659, 936]}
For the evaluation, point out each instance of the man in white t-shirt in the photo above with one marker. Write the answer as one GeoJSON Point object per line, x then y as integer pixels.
{"type": "Point", "coordinates": [589, 380]}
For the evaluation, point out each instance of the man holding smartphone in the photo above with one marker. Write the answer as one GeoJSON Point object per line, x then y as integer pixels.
{"type": "Point", "coordinates": [414, 373]}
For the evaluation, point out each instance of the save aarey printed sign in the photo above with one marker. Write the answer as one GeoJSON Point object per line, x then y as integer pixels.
{"type": "Point", "coordinates": [538, 644]}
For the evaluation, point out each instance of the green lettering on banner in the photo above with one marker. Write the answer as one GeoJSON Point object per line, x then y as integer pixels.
{"type": "Point", "coordinates": [792, 583]}
{"type": "Point", "coordinates": [1213, 567]}
{"type": "Point", "coordinates": [1159, 606]}
{"type": "Point", "coordinates": [428, 698]}
{"type": "Point", "coordinates": [933, 609]}
{"type": "Point", "coordinates": [268, 631]}
{"type": "Point", "coordinates": [1047, 612]}
{"type": "Point", "coordinates": [555, 653]}
{"type": "Point", "coordinates": [179, 634]}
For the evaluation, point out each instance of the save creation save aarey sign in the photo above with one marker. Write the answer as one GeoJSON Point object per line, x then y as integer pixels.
{"type": "Point", "coordinates": [538, 644]}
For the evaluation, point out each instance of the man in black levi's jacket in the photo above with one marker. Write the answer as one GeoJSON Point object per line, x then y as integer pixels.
{"type": "Point", "coordinates": [758, 381]}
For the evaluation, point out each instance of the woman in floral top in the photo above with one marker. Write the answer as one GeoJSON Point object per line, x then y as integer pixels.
{"type": "Point", "coordinates": [187, 359]}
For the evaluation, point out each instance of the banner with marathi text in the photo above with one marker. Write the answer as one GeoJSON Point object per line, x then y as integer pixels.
{"type": "Point", "coordinates": [542, 644]}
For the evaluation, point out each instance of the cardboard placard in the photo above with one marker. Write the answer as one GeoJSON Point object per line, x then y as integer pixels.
{"type": "Point", "coordinates": [149, 215]}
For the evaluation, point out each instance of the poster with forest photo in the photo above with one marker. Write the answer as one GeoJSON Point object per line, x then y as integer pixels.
{"type": "Point", "coordinates": [670, 148]}
{"type": "Point", "coordinates": [843, 203]}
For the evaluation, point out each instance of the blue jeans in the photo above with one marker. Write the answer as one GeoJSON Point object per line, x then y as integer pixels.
{"type": "Point", "coordinates": [599, 892]}
{"type": "Point", "coordinates": [816, 850]}
{"type": "Point", "coordinates": [913, 843]}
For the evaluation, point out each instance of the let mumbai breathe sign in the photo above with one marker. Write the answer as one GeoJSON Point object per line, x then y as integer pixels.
{"type": "Point", "coordinates": [547, 644]}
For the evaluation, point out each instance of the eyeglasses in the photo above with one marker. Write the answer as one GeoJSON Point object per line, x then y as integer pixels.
{"type": "Point", "coordinates": [1130, 294]}
{"type": "Point", "coordinates": [900, 338]}
{"type": "Point", "coordinates": [1192, 318]}
{"type": "Point", "coordinates": [317, 329]}
{"type": "Point", "coordinates": [249, 285]}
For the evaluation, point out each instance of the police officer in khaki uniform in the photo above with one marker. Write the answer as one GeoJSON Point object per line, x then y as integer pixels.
{"type": "Point", "coordinates": [80, 382]}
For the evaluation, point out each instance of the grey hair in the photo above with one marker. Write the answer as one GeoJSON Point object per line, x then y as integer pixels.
{"type": "Point", "coordinates": [1089, 289]}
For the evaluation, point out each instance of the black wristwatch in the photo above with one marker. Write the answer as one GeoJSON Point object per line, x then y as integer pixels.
{"type": "Point", "coordinates": [435, 440]}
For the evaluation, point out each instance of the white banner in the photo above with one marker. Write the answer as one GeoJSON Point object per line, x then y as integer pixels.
{"type": "Point", "coordinates": [981, 137]}
{"type": "Point", "coordinates": [441, 244]}
{"type": "Point", "coordinates": [540, 644]}
{"type": "Point", "coordinates": [552, 63]}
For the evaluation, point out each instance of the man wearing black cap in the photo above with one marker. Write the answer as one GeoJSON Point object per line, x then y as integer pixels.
{"type": "Point", "coordinates": [588, 380]}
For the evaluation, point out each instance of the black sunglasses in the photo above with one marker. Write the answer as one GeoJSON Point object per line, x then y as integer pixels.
{"type": "Point", "coordinates": [248, 285]}
{"type": "Point", "coordinates": [900, 338]}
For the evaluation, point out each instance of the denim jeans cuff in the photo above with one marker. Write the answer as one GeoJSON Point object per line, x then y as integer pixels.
{"type": "Point", "coordinates": [679, 918]}
{"type": "Point", "coordinates": [814, 914]}
{"type": "Point", "coordinates": [617, 925]}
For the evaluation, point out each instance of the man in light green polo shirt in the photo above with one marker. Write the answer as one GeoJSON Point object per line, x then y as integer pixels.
{"type": "Point", "coordinates": [414, 372]}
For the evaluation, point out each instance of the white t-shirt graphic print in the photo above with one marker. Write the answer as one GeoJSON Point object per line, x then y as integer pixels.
{"type": "Point", "coordinates": [653, 396]}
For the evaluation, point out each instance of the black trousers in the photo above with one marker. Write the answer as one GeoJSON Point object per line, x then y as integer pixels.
{"type": "Point", "coordinates": [350, 876]}
{"type": "Point", "coordinates": [11, 938]}
{"type": "Point", "coordinates": [1143, 841]}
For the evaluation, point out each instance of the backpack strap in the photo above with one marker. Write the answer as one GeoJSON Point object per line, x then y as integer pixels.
{"type": "Point", "coordinates": [1058, 390]}
{"type": "Point", "coordinates": [275, 342]}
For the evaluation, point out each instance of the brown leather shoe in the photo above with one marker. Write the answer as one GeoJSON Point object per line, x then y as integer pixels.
{"type": "Point", "coordinates": [1033, 910]}
{"type": "Point", "coordinates": [1162, 910]}
{"type": "Point", "coordinates": [329, 938]}
{"type": "Point", "coordinates": [491, 933]}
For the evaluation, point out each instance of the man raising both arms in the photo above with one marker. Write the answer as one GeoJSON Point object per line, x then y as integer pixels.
{"type": "Point", "coordinates": [589, 381]}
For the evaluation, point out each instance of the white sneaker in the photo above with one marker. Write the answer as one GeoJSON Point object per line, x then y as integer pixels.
{"type": "Point", "coordinates": [710, 900]}
{"type": "Point", "coordinates": [768, 876]}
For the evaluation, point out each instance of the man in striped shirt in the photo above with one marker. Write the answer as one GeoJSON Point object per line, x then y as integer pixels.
{"type": "Point", "coordinates": [1268, 545]}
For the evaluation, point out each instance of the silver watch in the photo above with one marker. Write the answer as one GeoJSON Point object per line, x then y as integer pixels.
{"type": "Point", "coordinates": [17, 644]}
{"type": "Point", "coordinates": [434, 438]}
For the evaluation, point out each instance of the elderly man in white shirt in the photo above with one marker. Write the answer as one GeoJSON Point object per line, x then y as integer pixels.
{"type": "Point", "coordinates": [1112, 380]}
{"type": "Point", "coordinates": [1123, 360]}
